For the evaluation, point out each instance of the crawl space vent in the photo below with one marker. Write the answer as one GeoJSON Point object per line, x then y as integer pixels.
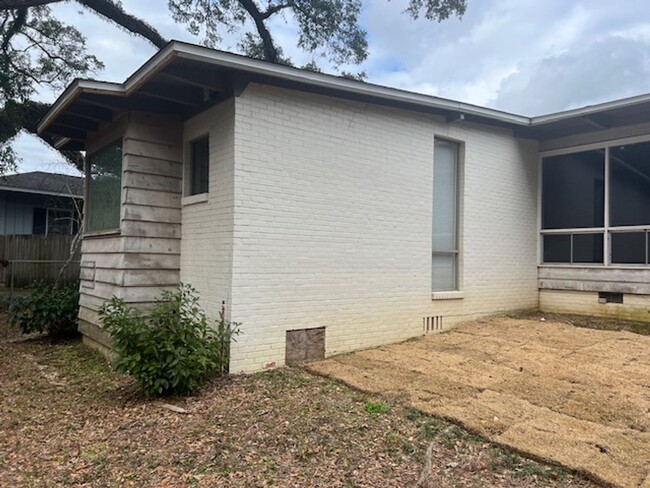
{"type": "Point", "coordinates": [305, 345]}
{"type": "Point", "coordinates": [432, 324]}
{"type": "Point", "coordinates": [609, 297]}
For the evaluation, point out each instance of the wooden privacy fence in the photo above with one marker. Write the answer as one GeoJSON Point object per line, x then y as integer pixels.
{"type": "Point", "coordinates": [33, 258]}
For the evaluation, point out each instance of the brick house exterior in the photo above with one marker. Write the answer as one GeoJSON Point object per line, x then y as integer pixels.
{"type": "Point", "coordinates": [316, 209]}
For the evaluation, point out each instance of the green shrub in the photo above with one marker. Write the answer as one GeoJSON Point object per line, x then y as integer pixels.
{"type": "Point", "coordinates": [48, 309]}
{"type": "Point", "coordinates": [172, 349]}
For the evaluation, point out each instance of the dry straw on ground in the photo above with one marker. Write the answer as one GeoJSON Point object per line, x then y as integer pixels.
{"type": "Point", "coordinates": [67, 420]}
{"type": "Point", "coordinates": [569, 395]}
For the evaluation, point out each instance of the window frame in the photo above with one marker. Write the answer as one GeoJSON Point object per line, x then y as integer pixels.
{"type": "Point", "coordinates": [67, 211]}
{"type": "Point", "coordinates": [606, 230]}
{"type": "Point", "coordinates": [457, 252]}
{"type": "Point", "coordinates": [189, 168]}
{"type": "Point", "coordinates": [118, 139]}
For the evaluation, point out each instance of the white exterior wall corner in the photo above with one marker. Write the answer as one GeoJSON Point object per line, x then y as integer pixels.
{"type": "Point", "coordinates": [332, 223]}
{"type": "Point", "coordinates": [206, 232]}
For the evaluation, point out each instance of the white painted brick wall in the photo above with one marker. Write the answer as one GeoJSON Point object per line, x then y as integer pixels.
{"type": "Point", "coordinates": [634, 307]}
{"type": "Point", "coordinates": [206, 242]}
{"type": "Point", "coordinates": [332, 223]}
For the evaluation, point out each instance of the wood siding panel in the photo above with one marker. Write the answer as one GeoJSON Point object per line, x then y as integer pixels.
{"type": "Point", "coordinates": [149, 181]}
{"type": "Point", "coordinates": [619, 280]}
{"type": "Point", "coordinates": [143, 164]}
{"type": "Point", "coordinates": [138, 196]}
{"type": "Point", "coordinates": [165, 151]}
{"type": "Point", "coordinates": [143, 213]}
{"type": "Point", "coordinates": [156, 245]}
{"type": "Point", "coordinates": [144, 258]}
{"type": "Point", "coordinates": [151, 229]}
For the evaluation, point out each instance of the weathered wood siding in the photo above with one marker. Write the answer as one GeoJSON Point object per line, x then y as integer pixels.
{"type": "Point", "coordinates": [143, 257]}
{"type": "Point", "coordinates": [617, 280]}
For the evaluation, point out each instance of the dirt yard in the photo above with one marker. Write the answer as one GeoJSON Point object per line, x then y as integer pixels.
{"type": "Point", "coordinates": [67, 420]}
{"type": "Point", "coordinates": [569, 395]}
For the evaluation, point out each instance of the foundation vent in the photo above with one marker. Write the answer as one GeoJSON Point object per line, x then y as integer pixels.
{"type": "Point", "coordinates": [432, 324]}
{"type": "Point", "coordinates": [305, 345]}
{"type": "Point", "coordinates": [609, 297]}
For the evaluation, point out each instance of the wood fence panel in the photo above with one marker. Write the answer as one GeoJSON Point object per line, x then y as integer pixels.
{"type": "Point", "coordinates": [40, 249]}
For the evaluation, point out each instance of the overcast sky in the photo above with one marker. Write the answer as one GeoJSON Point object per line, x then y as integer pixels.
{"type": "Point", "coordinates": [528, 57]}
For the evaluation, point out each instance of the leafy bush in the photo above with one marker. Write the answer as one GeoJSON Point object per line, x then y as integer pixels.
{"type": "Point", "coordinates": [48, 309]}
{"type": "Point", "coordinates": [172, 349]}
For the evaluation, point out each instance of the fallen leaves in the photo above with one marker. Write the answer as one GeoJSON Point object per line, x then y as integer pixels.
{"type": "Point", "coordinates": [67, 420]}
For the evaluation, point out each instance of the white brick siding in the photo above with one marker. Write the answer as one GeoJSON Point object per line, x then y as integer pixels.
{"type": "Point", "coordinates": [634, 307]}
{"type": "Point", "coordinates": [206, 242]}
{"type": "Point", "coordinates": [332, 223]}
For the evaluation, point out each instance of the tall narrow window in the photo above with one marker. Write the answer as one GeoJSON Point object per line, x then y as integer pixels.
{"type": "Point", "coordinates": [104, 188]}
{"type": "Point", "coordinates": [444, 262]}
{"type": "Point", "coordinates": [199, 165]}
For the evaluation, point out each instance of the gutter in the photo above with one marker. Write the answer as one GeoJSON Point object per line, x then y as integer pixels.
{"type": "Point", "coordinates": [589, 110]}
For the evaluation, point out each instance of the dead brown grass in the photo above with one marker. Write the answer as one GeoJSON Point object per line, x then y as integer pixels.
{"type": "Point", "coordinates": [67, 420]}
{"type": "Point", "coordinates": [568, 395]}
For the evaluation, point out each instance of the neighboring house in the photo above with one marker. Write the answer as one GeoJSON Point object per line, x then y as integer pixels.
{"type": "Point", "coordinates": [331, 215]}
{"type": "Point", "coordinates": [40, 203]}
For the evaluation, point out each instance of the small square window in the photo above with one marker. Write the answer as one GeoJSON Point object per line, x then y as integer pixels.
{"type": "Point", "coordinates": [199, 166]}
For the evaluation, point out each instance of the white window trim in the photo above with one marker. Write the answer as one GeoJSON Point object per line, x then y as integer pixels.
{"type": "Point", "coordinates": [458, 293]}
{"type": "Point", "coordinates": [607, 230]}
{"type": "Point", "coordinates": [194, 199]}
{"type": "Point", "coordinates": [447, 295]}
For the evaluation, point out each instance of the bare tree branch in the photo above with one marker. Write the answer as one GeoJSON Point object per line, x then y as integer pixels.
{"type": "Point", "coordinates": [276, 8]}
{"type": "Point", "coordinates": [270, 51]}
{"type": "Point", "coordinates": [106, 8]}
{"type": "Point", "coordinates": [112, 11]}
{"type": "Point", "coordinates": [17, 24]}
{"type": "Point", "coordinates": [13, 4]}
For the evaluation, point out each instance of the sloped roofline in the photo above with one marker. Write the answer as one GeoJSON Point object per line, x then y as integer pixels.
{"type": "Point", "coordinates": [193, 52]}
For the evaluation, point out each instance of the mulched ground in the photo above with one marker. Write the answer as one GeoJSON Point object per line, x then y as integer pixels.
{"type": "Point", "coordinates": [566, 394]}
{"type": "Point", "coordinates": [67, 420]}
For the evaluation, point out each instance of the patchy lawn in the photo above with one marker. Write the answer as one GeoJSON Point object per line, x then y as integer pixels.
{"type": "Point", "coordinates": [67, 420]}
{"type": "Point", "coordinates": [575, 396]}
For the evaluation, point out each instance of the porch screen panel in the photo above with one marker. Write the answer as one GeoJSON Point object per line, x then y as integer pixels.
{"type": "Point", "coordinates": [629, 198]}
{"type": "Point", "coordinates": [573, 190]}
{"type": "Point", "coordinates": [104, 188]}
{"type": "Point", "coordinates": [630, 247]}
{"type": "Point", "coordinates": [444, 263]}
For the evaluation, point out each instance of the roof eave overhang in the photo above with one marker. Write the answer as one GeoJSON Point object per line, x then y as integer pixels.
{"type": "Point", "coordinates": [176, 49]}
{"type": "Point", "coordinates": [526, 126]}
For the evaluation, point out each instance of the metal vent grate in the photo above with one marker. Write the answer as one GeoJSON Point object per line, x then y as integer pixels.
{"type": "Point", "coordinates": [432, 324]}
